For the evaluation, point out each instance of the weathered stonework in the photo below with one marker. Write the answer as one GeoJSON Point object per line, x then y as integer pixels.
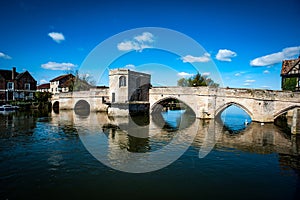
{"type": "Point", "coordinates": [261, 105]}
{"type": "Point", "coordinates": [130, 90]}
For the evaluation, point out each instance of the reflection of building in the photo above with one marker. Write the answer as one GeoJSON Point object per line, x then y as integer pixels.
{"type": "Point", "coordinates": [290, 73]}
{"type": "Point", "coordinates": [61, 83]}
{"type": "Point", "coordinates": [15, 86]}
{"type": "Point", "coordinates": [44, 87]}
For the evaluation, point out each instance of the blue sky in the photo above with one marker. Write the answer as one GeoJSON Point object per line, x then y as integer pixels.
{"type": "Point", "coordinates": [245, 40]}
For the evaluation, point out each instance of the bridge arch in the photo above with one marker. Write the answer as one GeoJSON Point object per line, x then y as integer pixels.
{"type": "Point", "coordinates": [55, 106]}
{"type": "Point", "coordinates": [219, 111]}
{"type": "Point", "coordinates": [157, 106]}
{"type": "Point", "coordinates": [82, 107]}
{"type": "Point", "coordinates": [285, 110]}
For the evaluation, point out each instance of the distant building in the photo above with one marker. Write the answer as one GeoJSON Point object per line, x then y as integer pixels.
{"type": "Point", "coordinates": [43, 87]}
{"type": "Point", "coordinates": [290, 74]}
{"type": "Point", "coordinates": [16, 86]}
{"type": "Point", "coordinates": [128, 86]}
{"type": "Point", "coordinates": [61, 83]}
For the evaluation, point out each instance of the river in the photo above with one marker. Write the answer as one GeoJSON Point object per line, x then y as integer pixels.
{"type": "Point", "coordinates": [167, 156]}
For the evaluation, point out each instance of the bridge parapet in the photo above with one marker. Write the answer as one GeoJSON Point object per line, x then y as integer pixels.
{"type": "Point", "coordinates": [208, 102]}
{"type": "Point", "coordinates": [96, 98]}
{"type": "Point", "coordinates": [261, 94]}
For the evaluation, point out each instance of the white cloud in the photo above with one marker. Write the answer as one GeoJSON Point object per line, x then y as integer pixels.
{"type": "Point", "coordinates": [128, 45]}
{"type": "Point", "coordinates": [247, 84]}
{"type": "Point", "coordinates": [42, 81]}
{"type": "Point", "coordinates": [192, 59]}
{"type": "Point", "coordinates": [58, 66]}
{"type": "Point", "coordinates": [184, 74]}
{"type": "Point", "coordinates": [225, 55]}
{"type": "Point", "coordinates": [2, 55]}
{"type": "Point", "coordinates": [205, 73]}
{"type": "Point", "coordinates": [57, 37]}
{"type": "Point", "coordinates": [249, 81]}
{"type": "Point", "coordinates": [145, 37]}
{"type": "Point", "coordinates": [275, 58]}
{"type": "Point", "coordinates": [266, 72]}
{"type": "Point", "coordinates": [130, 66]}
{"type": "Point", "coordinates": [239, 73]}
{"type": "Point", "coordinates": [138, 43]}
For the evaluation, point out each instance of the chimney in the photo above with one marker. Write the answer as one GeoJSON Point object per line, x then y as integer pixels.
{"type": "Point", "coordinates": [13, 73]}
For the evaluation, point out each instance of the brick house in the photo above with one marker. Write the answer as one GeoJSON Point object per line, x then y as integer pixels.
{"type": "Point", "coordinates": [43, 87]}
{"type": "Point", "coordinates": [61, 83]}
{"type": "Point", "coordinates": [16, 86]}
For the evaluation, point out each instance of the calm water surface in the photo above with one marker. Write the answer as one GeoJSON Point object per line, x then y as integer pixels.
{"type": "Point", "coordinates": [42, 156]}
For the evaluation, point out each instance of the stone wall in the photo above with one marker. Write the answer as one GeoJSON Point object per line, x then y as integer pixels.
{"type": "Point", "coordinates": [206, 102]}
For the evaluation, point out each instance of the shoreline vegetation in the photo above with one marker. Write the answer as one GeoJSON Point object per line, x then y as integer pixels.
{"type": "Point", "coordinates": [41, 101]}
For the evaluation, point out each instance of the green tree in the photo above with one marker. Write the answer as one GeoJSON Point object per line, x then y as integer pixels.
{"type": "Point", "coordinates": [183, 82]}
{"type": "Point", "coordinates": [289, 84]}
{"type": "Point", "coordinates": [196, 80]}
{"type": "Point", "coordinates": [43, 96]}
{"type": "Point", "coordinates": [81, 81]}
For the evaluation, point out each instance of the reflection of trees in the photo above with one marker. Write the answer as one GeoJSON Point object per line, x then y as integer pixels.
{"type": "Point", "coordinates": [19, 123]}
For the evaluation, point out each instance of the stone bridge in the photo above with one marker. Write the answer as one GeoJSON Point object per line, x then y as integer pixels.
{"type": "Point", "coordinates": [95, 99]}
{"type": "Point", "coordinates": [205, 102]}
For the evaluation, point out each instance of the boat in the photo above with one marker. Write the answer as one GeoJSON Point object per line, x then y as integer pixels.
{"type": "Point", "coordinates": [8, 108]}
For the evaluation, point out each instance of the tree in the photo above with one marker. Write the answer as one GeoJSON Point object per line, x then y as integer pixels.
{"type": "Point", "coordinates": [43, 96]}
{"type": "Point", "coordinates": [81, 82]}
{"type": "Point", "coordinates": [289, 84]}
{"type": "Point", "coordinates": [183, 82]}
{"type": "Point", "coordinates": [197, 80]}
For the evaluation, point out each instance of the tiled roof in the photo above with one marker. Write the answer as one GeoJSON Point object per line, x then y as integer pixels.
{"type": "Point", "coordinates": [7, 74]}
{"type": "Point", "coordinates": [287, 65]}
{"type": "Point", "coordinates": [20, 75]}
{"type": "Point", "coordinates": [67, 83]}
{"type": "Point", "coordinates": [61, 77]}
{"type": "Point", "coordinates": [44, 86]}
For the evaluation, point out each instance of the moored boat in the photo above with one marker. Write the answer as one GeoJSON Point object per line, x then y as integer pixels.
{"type": "Point", "coordinates": [8, 108]}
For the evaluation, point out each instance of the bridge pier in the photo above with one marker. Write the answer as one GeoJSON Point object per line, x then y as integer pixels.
{"type": "Point", "coordinates": [295, 128]}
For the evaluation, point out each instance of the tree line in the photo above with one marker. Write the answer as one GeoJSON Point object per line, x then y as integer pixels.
{"type": "Point", "coordinates": [197, 80]}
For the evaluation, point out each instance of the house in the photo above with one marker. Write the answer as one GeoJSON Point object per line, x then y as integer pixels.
{"type": "Point", "coordinates": [16, 86]}
{"type": "Point", "coordinates": [63, 83]}
{"type": "Point", "coordinates": [290, 74]}
{"type": "Point", "coordinates": [43, 87]}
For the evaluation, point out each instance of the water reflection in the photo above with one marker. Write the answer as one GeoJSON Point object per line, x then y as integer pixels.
{"type": "Point", "coordinates": [124, 131]}
{"type": "Point", "coordinates": [152, 134]}
{"type": "Point", "coordinates": [42, 152]}
{"type": "Point", "coordinates": [19, 123]}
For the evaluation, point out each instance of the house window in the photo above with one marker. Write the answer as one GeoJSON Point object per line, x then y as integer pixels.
{"type": "Point", "coordinates": [16, 95]}
{"type": "Point", "coordinates": [122, 81]}
{"type": "Point", "coordinates": [10, 85]}
{"type": "Point", "coordinates": [27, 86]}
